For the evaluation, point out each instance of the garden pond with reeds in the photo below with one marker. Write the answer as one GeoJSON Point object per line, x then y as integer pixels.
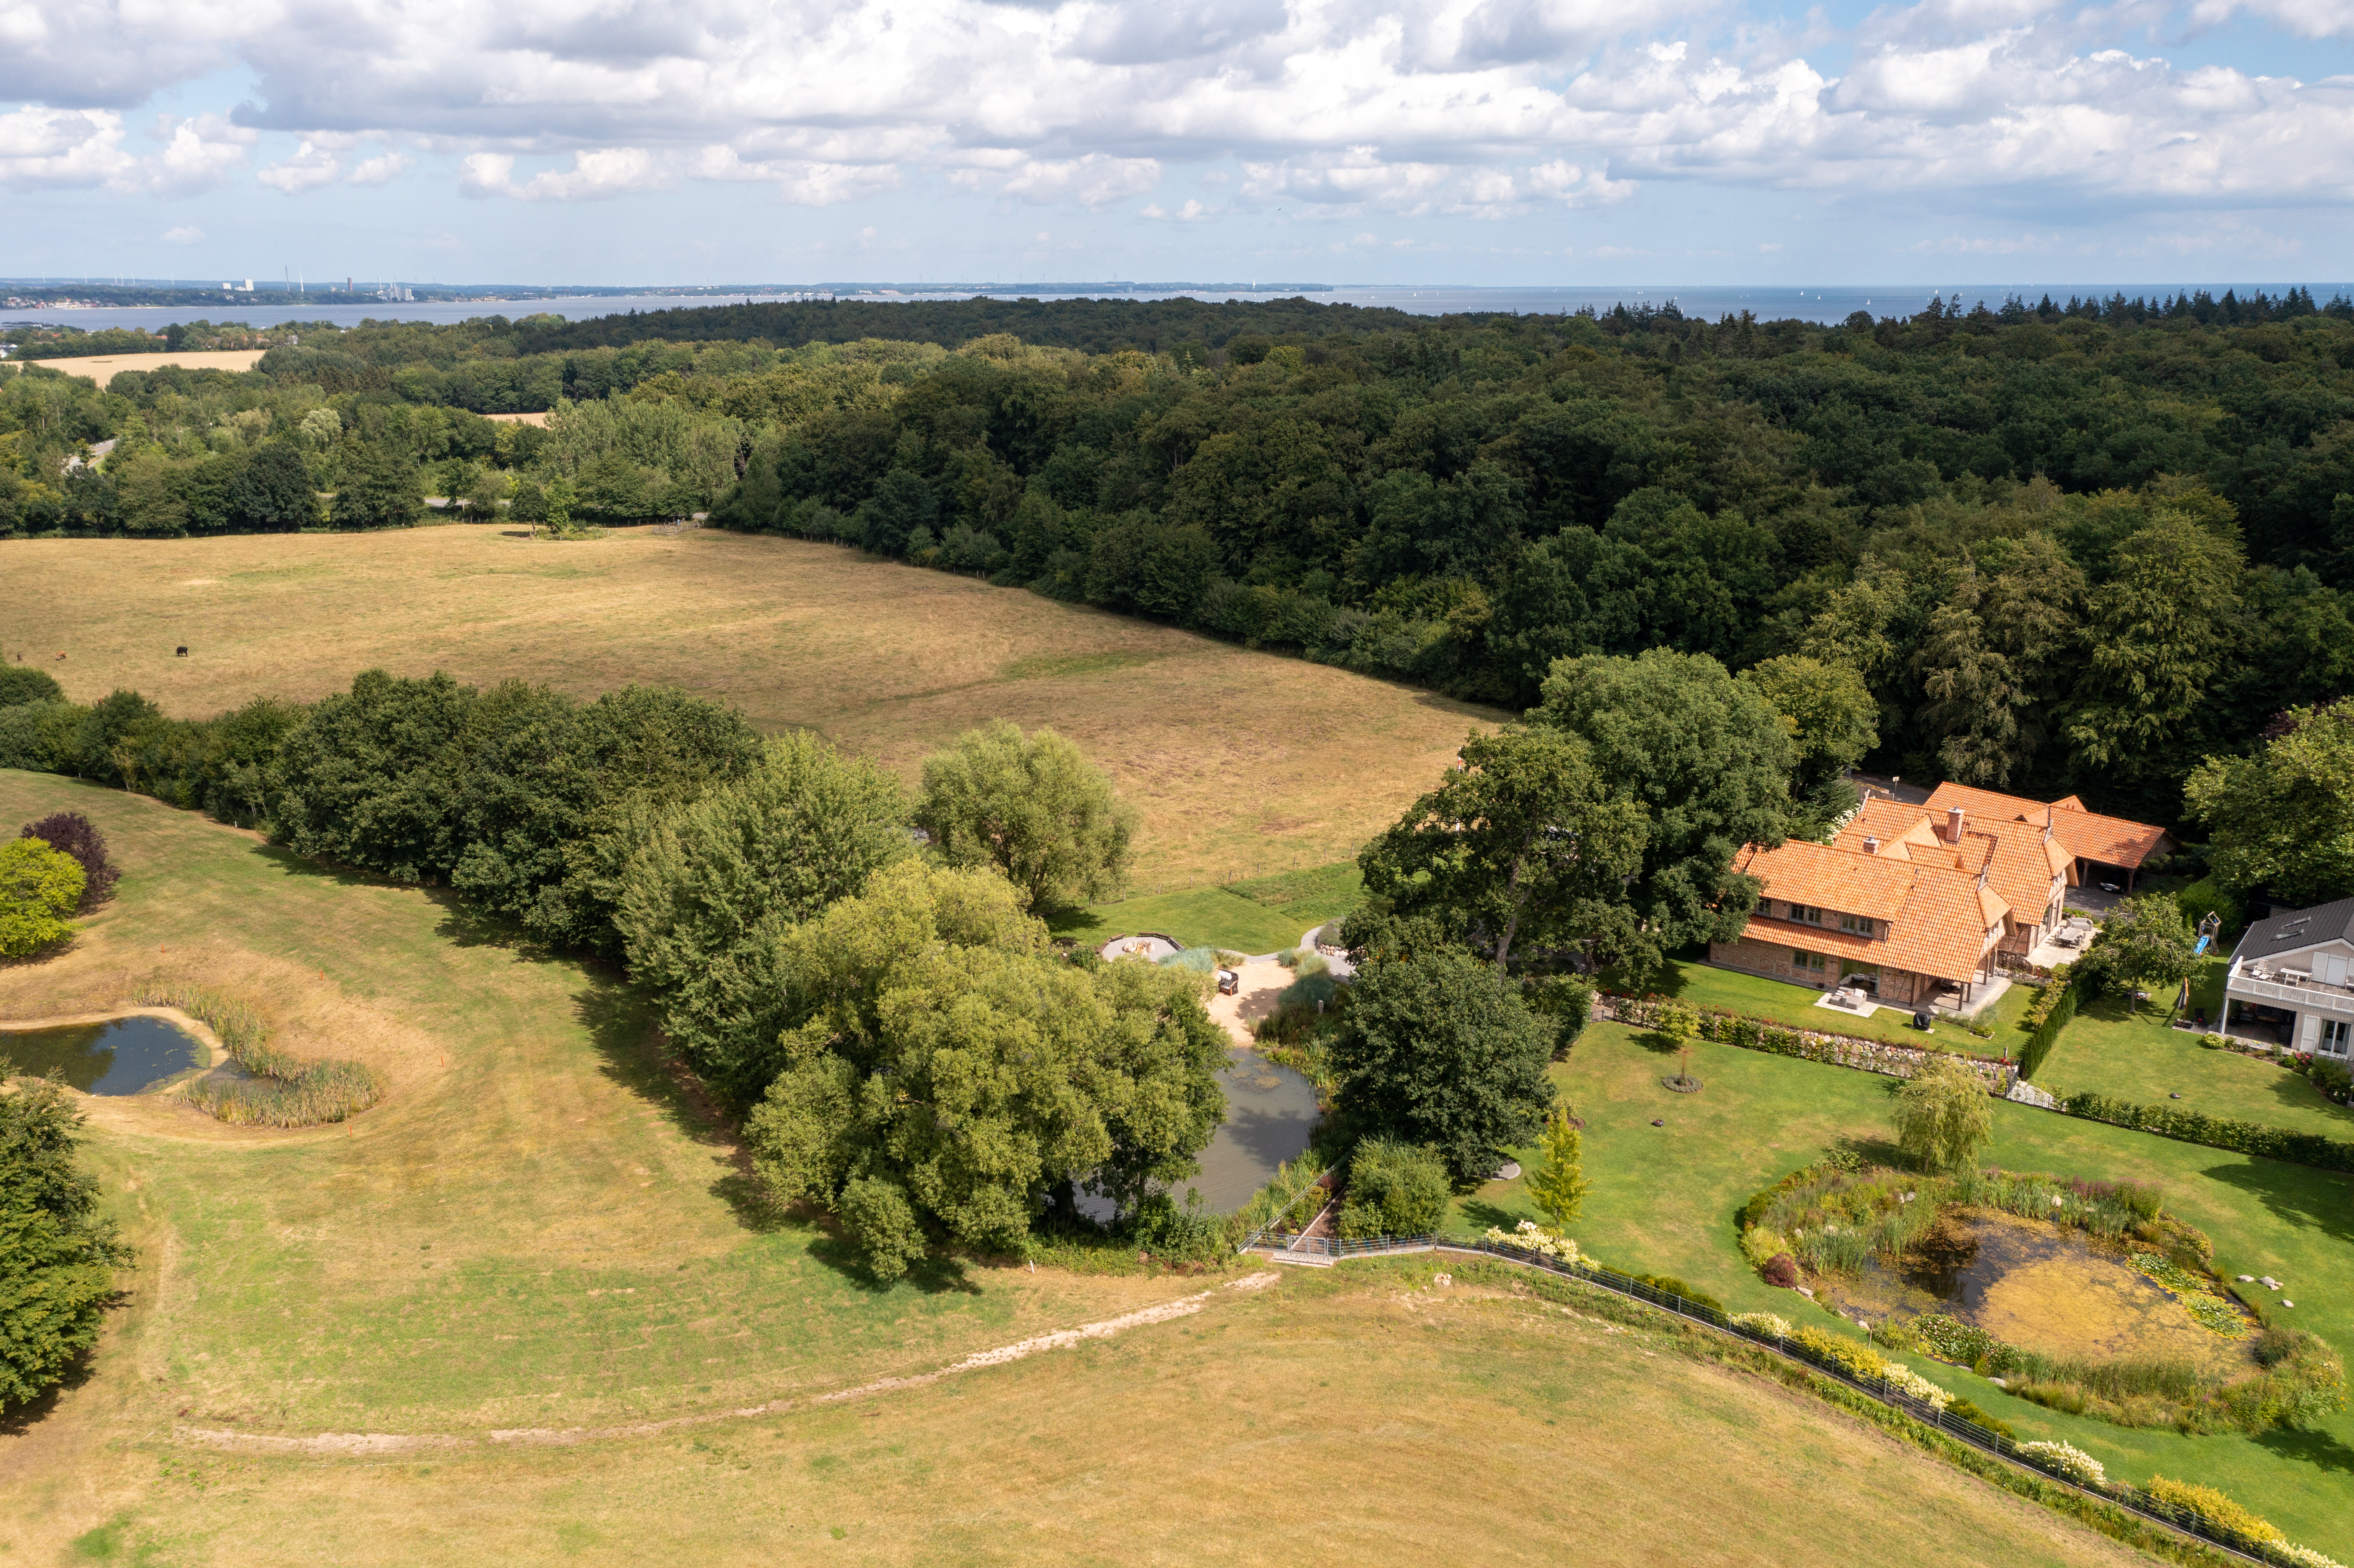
{"type": "Point", "coordinates": [120, 1056]}
{"type": "Point", "coordinates": [2083, 1296]}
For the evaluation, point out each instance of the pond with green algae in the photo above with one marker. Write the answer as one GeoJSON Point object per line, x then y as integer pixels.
{"type": "Point", "coordinates": [121, 1056]}
{"type": "Point", "coordinates": [2038, 1286]}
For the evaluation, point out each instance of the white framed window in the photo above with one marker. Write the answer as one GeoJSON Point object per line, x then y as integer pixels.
{"type": "Point", "coordinates": [1857, 924]}
{"type": "Point", "coordinates": [1802, 959]}
{"type": "Point", "coordinates": [1806, 913]}
{"type": "Point", "coordinates": [2335, 1035]}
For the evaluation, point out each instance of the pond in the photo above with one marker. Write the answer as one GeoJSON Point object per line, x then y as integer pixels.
{"type": "Point", "coordinates": [120, 1057]}
{"type": "Point", "coordinates": [1270, 1110]}
{"type": "Point", "coordinates": [2039, 1286]}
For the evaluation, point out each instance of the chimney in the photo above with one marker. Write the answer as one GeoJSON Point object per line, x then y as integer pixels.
{"type": "Point", "coordinates": [1954, 823]}
{"type": "Point", "coordinates": [1871, 843]}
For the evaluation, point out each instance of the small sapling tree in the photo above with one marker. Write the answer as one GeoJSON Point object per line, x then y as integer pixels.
{"type": "Point", "coordinates": [1558, 1186]}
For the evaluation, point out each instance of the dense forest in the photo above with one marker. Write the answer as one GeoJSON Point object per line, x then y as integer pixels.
{"type": "Point", "coordinates": [2065, 546]}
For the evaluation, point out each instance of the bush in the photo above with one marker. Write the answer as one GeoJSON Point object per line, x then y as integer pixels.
{"type": "Point", "coordinates": [2062, 998]}
{"type": "Point", "coordinates": [1968, 1412]}
{"type": "Point", "coordinates": [21, 684]}
{"type": "Point", "coordinates": [2213, 1505]}
{"type": "Point", "coordinates": [2066, 1459]}
{"type": "Point", "coordinates": [2333, 1081]}
{"type": "Point", "coordinates": [2216, 1132]}
{"type": "Point", "coordinates": [1782, 1271]}
{"type": "Point", "coordinates": [1395, 1189]}
{"type": "Point", "coordinates": [1668, 1285]}
{"type": "Point", "coordinates": [39, 886]}
{"type": "Point", "coordinates": [77, 836]}
{"type": "Point", "coordinates": [58, 1251]}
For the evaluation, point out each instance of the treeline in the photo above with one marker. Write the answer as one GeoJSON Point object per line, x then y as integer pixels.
{"type": "Point", "coordinates": [1974, 510]}
{"type": "Point", "coordinates": [1972, 516]}
{"type": "Point", "coordinates": [914, 1053]}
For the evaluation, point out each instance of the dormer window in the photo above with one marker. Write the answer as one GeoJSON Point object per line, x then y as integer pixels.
{"type": "Point", "coordinates": [1806, 914]}
{"type": "Point", "coordinates": [1858, 925]}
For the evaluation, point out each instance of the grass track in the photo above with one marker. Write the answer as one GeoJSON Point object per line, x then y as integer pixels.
{"type": "Point", "coordinates": [1365, 1415]}
{"type": "Point", "coordinates": [1664, 1201]}
{"type": "Point", "coordinates": [1241, 762]}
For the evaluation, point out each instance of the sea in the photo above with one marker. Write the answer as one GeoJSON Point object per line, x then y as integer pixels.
{"type": "Point", "coordinates": [1711, 302]}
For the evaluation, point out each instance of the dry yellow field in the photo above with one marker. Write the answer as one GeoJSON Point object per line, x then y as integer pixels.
{"type": "Point", "coordinates": [1242, 763]}
{"type": "Point", "coordinates": [102, 368]}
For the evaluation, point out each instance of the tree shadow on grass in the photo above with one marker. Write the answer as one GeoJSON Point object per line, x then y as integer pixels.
{"type": "Point", "coordinates": [936, 1274]}
{"type": "Point", "coordinates": [2296, 1092]}
{"type": "Point", "coordinates": [2304, 1446]}
{"type": "Point", "coordinates": [2310, 1200]}
{"type": "Point", "coordinates": [620, 1022]}
{"type": "Point", "coordinates": [1484, 1215]}
{"type": "Point", "coordinates": [1873, 1151]}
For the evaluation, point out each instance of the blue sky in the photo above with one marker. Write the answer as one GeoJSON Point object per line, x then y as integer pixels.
{"type": "Point", "coordinates": [1503, 141]}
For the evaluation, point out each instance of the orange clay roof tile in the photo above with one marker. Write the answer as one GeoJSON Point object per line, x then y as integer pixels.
{"type": "Point", "coordinates": [2088, 835]}
{"type": "Point", "coordinates": [1943, 924]}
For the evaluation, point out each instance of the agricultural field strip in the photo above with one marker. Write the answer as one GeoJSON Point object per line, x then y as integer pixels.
{"type": "Point", "coordinates": [999, 1355]}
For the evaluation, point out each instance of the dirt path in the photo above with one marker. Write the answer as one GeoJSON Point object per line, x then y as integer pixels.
{"type": "Point", "coordinates": [565, 1437]}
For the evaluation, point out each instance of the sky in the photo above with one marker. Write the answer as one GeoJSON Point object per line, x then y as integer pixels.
{"type": "Point", "coordinates": [1471, 142]}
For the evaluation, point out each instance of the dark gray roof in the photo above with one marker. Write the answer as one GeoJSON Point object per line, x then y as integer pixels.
{"type": "Point", "coordinates": [2286, 931]}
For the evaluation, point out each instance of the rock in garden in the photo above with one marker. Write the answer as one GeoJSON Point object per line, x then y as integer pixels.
{"type": "Point", "coordinates": [2247, 1280]}
{"type": "Point", "coordinates": [2269, 1283]}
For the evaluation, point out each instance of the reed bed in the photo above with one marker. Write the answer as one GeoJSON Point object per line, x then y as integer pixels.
{"type": "Point", "coordinates": [285, 1090]}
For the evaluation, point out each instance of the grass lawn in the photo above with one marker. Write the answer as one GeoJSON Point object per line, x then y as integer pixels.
{"type": "Point", "coordinates": [1240, 762]}
{"type": "Point", "coordinates": [540, 1229]}
{"type": "Point", "coordinates": [1754, 996]}
{"type": "Point", "coordinates": [2140, 1058]}
{"type": "Point", "coordinates": [1264, 915]}
{"type": "Point", "coordinates": [1664, 1201]}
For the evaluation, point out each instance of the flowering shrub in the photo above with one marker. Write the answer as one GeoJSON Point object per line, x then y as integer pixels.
{"type": "Point", "coordinates": [1905, 1380]}
{"type": "Point", "coordinates": [1530, 1236]}
{"type": "Point", "coordinates": [2067, 1459]}
{"type": "Point", "coordinates": [2213, 1507]}
{"type": "Point", "coordinates": [1861, 1359]}
{"type": "Point", "coordinates": [2293, 1556]}
{"type": "Point", "coordinates": [1772, 1323]}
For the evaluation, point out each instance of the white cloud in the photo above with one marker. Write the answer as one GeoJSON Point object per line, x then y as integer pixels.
{"type": "Point", "coordinates": [593, 176]}
{"type": "Point", "coordinates": [72, 148]}
{"type": "Point", "coordinates": [187, 234]}
{"type": "Point", "coordinates": [312, 166]}
{"type": "Point", "coordinates": [1489, 109]}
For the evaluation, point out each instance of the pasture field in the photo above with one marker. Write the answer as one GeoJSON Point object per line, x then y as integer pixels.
{"type": "Point", "coordinates": [1243, 764]}
{"type": "Point", "coordinates": [104, 367]}
{"type": "Point", "coordinates": [1664, 1201]}
{"type": "Point", "coordinates": [529, 1311]}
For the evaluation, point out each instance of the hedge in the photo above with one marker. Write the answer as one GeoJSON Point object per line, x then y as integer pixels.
{"type": "Point", "coordinates": [2216, 1132]}
{"type": "Point", "coordinates": [2047, 1033]}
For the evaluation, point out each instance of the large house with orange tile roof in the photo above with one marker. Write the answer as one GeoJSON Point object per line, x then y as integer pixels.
{"type": "Point", "coordinates": [2096, 843]}
{"type": "Point", "coordinates": [1919, 907]}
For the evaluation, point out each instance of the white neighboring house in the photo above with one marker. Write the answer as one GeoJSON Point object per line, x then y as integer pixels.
{"type": "Point", "coordinates": [2293, 973]}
